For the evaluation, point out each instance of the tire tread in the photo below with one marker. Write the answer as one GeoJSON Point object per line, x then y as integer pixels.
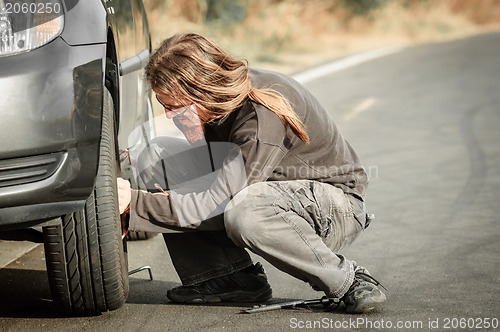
{"type": "Point", "coordinates": [86, 264]}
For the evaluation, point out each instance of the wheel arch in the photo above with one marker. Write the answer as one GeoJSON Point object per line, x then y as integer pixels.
{"type": "Point", "coordinates": [111, 74]}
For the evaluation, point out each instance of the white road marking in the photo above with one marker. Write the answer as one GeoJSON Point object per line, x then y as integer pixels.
{"type": "Point", "coordinates": [338, 65]}
{"type": "Point", "coordinates": [363, 106]}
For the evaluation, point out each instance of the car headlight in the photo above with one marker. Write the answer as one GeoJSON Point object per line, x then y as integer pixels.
{"type": "Point", "coordinates": [26, 25]}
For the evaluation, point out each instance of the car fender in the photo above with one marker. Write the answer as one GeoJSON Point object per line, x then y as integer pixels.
{"type": "Point", "coordinates": [88, 22]}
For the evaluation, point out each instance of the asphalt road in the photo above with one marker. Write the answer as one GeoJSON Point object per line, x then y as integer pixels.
{"type": "Point", "coordinates": [425, 123]}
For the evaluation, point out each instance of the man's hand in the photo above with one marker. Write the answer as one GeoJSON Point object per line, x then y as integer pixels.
{"type": "Point", "coordinates": [124, 195]}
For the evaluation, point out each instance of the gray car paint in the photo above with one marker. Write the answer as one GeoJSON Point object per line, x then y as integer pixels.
{"type": "Point", "coordinates": [51, 103]}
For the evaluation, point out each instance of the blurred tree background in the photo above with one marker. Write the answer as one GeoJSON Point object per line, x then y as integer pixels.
{"type": "Point", "coordinates": [289, 35]}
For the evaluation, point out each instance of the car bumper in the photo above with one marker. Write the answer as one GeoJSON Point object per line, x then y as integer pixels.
{"type": "Point", "coordinates": [50, 125]}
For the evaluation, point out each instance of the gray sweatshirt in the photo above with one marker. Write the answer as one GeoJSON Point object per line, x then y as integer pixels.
{"type": "Point", "coordinates": [267, 151]}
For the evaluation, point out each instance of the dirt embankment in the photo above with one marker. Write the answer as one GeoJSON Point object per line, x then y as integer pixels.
{"type": "Point", "coordinates": [289, 35]}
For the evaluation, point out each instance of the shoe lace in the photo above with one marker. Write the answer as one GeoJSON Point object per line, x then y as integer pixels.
{"type": "Point", "coordinates": [366, 277]}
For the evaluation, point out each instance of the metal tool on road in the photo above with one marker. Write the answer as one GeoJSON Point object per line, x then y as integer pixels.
{"type": "Point", "coordinates": [329, 303]}
{"type": "Point", "coordinates": [146, 267]}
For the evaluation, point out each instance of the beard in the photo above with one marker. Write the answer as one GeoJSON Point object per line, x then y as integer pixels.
{"type": "Point", "coordinates": [193, 134]}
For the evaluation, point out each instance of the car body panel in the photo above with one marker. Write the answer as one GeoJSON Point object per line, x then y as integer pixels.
{"type": "Point", "coordinates": [85, 22]}
{"type": "Point", "coordinates": [52, 97]}
{"type": "Point", "coordinates": [54, 107]}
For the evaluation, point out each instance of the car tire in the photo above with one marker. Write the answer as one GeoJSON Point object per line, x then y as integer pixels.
{"type": "Point", "coordinates": [85, 257]}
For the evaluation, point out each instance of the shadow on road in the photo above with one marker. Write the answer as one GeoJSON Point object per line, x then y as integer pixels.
{"type": "Point", "coordinates": [145, 291]}
{"type": "Point", "coordinates": [26, 294]}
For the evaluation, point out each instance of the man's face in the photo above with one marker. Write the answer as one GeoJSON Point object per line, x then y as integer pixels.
{"type": "Point", "coordinates": [185, 115]}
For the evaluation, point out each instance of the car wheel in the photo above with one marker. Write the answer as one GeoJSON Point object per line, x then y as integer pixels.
{"type": "Point", "coordinates": [86, 263]}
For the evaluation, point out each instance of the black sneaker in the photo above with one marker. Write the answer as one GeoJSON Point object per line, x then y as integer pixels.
{"type": "Point", "coordinates": [247, 285]}
{"type": "Point", "coordinates": [364, 294]}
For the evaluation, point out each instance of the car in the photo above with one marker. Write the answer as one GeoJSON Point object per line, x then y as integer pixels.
{"type": "Point", "coordinates": [73, 96]}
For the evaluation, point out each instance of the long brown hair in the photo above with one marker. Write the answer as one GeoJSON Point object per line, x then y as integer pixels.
{"type": "Point", "coordinates": [190, 66]}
